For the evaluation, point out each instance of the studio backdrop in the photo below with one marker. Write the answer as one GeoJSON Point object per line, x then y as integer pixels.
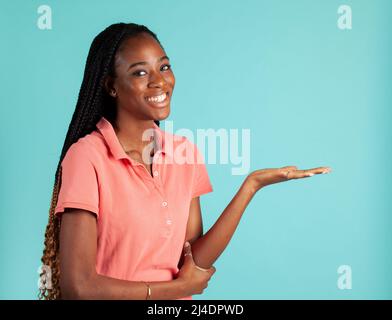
{"type": "Point", "coordinates": [304, 82]}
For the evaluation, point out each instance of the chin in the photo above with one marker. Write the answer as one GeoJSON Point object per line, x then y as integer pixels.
{"type": "Point", "coordinates": [162, 115]}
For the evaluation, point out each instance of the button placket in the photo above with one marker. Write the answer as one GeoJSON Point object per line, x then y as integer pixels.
{"type": "Point", "coordinates": [167, 229]}
{"type": "Point", "coordinates": [155, 172]}
{"type": "Point", "coordinates": [167, 219]}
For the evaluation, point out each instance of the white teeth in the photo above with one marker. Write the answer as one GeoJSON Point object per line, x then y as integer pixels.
{"type": "Point", "coordinates": [157, 98]}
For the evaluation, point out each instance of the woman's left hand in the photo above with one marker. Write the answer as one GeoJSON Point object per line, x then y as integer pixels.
{"type": "Point", "coordinates": [264, 177]}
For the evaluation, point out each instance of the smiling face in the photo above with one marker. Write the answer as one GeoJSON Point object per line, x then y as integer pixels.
{"type": "Point", "coordinates": [144, 81]}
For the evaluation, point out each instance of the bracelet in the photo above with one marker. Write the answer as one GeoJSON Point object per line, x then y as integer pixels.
{"type": "Point", "coordinates": [201, 269]}
{"type": "Point", "coordinates": [148, 296]}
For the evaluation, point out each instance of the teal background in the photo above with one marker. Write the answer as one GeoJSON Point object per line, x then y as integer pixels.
{"type": "Point", "coordinates": [311, 94]}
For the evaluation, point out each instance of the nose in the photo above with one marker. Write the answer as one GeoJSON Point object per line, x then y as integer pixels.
{"type": "Point", "coordinates": [156, 80]}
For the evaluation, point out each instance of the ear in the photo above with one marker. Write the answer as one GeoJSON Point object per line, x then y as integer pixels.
{"type": "Point", "coordinates": [109, 86]}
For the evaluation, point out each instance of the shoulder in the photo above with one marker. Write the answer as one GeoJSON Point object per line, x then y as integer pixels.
{"type": "Point", "coordinates": [88, 147]}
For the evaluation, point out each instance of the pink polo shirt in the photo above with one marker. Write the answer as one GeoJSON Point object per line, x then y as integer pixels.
{"type": "Point", "coordinates": [141, 220]}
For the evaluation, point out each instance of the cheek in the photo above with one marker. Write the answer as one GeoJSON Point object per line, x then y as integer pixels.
{"type": "Point", "coordinates": [133, 88]}
{"type": "Point", "coordinates": [170, 79]}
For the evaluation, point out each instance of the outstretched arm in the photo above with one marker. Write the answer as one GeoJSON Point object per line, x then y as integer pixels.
{"type": "Point", "coordinates": [208, 247]}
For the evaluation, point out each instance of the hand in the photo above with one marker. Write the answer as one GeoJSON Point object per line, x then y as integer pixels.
{"type": "Point", "coordinates": [264, 177]}
{"type": "Point", "coordinates": [195, 280]}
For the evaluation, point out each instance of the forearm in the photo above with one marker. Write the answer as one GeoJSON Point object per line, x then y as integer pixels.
{"type": "Point", "coordinates": [208, 248]}
{"type": "Point", "coordinates": [100, 287]}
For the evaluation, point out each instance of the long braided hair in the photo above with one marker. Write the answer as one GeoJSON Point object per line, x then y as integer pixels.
{"type": "Point", "coordinates": [93, 103]}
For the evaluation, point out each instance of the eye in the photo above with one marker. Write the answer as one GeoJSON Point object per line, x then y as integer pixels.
{"type": "Point", "coordinates": [139, 73]}
{"type": "Point", "coordinates": [166, 67]}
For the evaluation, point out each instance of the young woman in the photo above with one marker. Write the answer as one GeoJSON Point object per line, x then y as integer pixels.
{"type": "Point", "coordinates": [125, 220]}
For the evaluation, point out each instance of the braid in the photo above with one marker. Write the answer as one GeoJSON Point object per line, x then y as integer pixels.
{"type": "Point", "coordinates": [50, 256]}
{"type": "Point", "coordinates": [93, 103]}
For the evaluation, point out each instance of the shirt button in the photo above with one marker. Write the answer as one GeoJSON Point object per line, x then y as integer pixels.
{"type": "Point", "coordinates": [156, 173]}
{"type": "Point", "coordinates": [168, 221]}
{"type": "Point", "coordinates": [164, 203]}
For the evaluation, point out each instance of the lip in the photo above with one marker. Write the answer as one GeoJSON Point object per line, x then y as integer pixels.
{"type": "Point", "coordinates": [161, 104]}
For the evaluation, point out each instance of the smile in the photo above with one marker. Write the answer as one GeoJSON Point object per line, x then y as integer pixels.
{"type": "Point", "coordinates": [157, 99]}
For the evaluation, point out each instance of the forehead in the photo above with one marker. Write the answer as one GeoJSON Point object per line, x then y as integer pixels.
{"type": "Point", "coordinates": [142, 47]}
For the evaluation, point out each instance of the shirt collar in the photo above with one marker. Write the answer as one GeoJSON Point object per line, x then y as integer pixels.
{"type": "Point", "coordinates": [106, 129]}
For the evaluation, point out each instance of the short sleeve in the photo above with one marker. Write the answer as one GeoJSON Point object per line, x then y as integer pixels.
{"type": "Point", "coordinates": [79, 183]}
{"type": "Point", "coordinates": [201, 181]}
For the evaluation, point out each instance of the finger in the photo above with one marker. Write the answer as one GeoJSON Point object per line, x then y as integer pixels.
{"type": "Point", "coordinates": [187, 250]}
{"type": "Point", "coordinates": [211, 271]}
{"type": "Point", "coordinates": [319, 170]}
{"type": "Point", "coordinates": [298, 174]}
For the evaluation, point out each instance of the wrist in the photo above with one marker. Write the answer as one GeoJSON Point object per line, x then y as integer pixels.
{"type": "Point", "coordinates": [249, 186]}
{"type": "Point", "coordinates": [181, 287]}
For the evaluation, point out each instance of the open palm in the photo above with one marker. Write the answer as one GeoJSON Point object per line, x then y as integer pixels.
{"type": "Point", "coordinates": [265, 177]}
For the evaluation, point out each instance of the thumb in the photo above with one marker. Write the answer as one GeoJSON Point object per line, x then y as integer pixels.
{"type": "Point", "coordinates": [211, 271]}
{"type": "Point", "coordinates": [188, 251]}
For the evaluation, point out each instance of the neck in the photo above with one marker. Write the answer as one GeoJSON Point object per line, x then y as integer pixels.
{"type": "Point", "coordinates": [130, 131]}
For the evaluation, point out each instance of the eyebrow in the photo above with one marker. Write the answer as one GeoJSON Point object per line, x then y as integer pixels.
{"type": "Point", "coordinates": [144, 62]}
